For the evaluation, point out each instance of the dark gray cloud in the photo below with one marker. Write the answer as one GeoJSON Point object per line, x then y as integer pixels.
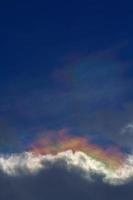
{"type": "Point", "coordinates": [60, 184]}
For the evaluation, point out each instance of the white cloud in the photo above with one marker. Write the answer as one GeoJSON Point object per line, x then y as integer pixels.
{"type": "Point", "coordinates": [27, 163]}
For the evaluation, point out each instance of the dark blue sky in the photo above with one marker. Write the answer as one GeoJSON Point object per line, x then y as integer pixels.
{"type": "Point", "coordinates": [65, 64]}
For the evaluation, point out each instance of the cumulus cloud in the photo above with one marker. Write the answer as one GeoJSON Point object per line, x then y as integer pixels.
{"type": "Point", "coordinates": [89, 168]}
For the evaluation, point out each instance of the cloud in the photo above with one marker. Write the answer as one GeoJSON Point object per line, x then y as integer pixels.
{"type": "Point", "coordinates": [64, 176]}
{"type": "Point", "coordinates": [126, 135]}
{"type": "Point", "coordinates": [61, 166]}
{"type": "Point", "coordinates": [87, 167]}
{"type": "Point", "coordinates": [59, 184]}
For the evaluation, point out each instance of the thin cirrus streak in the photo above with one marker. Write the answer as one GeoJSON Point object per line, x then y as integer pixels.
{"type": "Point", "coordinates": [60, 141]}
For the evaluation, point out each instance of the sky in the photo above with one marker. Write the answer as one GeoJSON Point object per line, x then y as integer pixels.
{"type": "Point", "coordinates": [66, 101]}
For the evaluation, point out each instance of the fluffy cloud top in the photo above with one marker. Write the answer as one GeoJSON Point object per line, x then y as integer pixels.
{"type": "Point", "coordinates": [28, 163]}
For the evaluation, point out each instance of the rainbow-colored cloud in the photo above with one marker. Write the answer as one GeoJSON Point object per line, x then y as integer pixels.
{"type": "Point", "coordinates": [57, 147]}
{"type": "Point", "coordinates": [55, 142]}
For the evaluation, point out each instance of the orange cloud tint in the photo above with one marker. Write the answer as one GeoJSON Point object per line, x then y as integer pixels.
{"type": "Point", "coordinates": [60, 141]}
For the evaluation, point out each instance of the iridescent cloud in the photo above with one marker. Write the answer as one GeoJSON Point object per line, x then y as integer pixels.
{"type": "Point", "coordinates": [55, 142]}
